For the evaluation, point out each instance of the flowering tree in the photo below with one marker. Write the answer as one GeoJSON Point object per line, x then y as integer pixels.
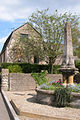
{"type": "Point", "coordinates": [51, 28]}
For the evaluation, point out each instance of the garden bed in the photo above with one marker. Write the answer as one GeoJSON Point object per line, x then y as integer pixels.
{"type": "Point", "coordinates": [47, 97]}
{"type": "Point", "coordinates": [54, 92]}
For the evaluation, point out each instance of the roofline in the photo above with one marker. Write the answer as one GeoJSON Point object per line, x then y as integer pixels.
{"type": "Point", "coordinates": [34, 29]}
{"type": "Point", "coordinates": [7, 41]}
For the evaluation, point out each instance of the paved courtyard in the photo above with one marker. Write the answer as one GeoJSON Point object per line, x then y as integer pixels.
{"type": "Point", "coordinates": [30, 110]}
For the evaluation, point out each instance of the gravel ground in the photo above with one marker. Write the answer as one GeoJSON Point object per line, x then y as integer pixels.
{"type": "Point", "coordinates": [26, 103]}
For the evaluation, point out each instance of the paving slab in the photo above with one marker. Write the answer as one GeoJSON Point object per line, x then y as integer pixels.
{"type": "Point", "coordinates": [29, 109]}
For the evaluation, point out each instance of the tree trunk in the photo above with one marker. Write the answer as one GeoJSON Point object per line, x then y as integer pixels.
{"type": "Point", "coordinates": [50, 65]}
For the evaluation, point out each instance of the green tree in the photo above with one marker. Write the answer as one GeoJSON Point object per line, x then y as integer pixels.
{"type": "Point", "coordinates": [33, 46]}
{"type": "Point", "coordinates": [77, 50]}
{"type": "Point", "coordinates": [51, 27]}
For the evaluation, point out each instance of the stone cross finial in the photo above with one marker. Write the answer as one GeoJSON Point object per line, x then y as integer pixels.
{"type": "Point", "coordinates": [68, 59]}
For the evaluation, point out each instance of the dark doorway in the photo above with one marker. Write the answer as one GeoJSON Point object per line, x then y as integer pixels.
{"type": "Point", "coordinates": [36, 59]}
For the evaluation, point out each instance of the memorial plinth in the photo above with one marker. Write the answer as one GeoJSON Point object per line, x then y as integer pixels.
{"type": "Point", "coordinates": [68, 75]}
{"type": "Point", "coordinates": [68, 67]}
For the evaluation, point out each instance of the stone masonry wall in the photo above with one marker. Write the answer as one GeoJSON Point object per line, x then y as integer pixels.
{"type": "Point", "coordinates": [21, 81]}
{"type": "Point", "coordinates": [24, 29]}
{"type": "Point", "coordinates": [4, 77]}
{"type": "Point", "coordinates": [53, 77]}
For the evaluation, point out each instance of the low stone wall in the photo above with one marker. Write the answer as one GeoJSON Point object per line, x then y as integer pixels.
{"type": "Point", "coordinates": [24, 82]}
{"type": "Point", "coordinates": [47, 97]}
{"type": "Point", "coordinates": [21, 81]}
{"type": "Point", "coordinates": [52, 77]}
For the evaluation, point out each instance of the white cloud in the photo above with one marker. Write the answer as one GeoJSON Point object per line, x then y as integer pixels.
{"type": "Point", "coordinates": [11, 15]}
{"type": "Point", "coordinates": [72, 9]}
{"type": "Point", "coordinates": [2, 40]}
{"type": "Point", "coordinates": [11, 10]}
{"type": "Point", "coordinates": [14, 9]}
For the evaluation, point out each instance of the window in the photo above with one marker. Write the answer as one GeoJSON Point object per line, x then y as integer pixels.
{"type": "Point", "coordinates": [23, 36]}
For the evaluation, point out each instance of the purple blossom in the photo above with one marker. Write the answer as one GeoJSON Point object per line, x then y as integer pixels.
{"type": "Point", "coordinates": [44, 86]}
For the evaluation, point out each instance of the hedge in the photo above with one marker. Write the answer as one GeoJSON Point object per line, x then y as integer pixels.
{"type": "Point", "coordinates": [31, 68]}
{"type": "Point", "coordinates": [77, 64]}
{"type": "Point", "coordinates": [15, 69]}
{"type": "Point", "coordinates": [27, 67]}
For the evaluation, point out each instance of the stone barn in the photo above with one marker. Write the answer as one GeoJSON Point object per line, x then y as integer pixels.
{"type": "Point", "coordinates": [23, 32]}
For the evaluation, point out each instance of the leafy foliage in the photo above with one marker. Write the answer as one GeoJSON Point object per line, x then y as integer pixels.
{"type": "Point", "coordinates": [62, 96]}
{"type": "Point", "coordinates": [17, 51]}
{"type": "Point", "coordinates": [27, 67]}
{"type": "Point", "coordinates": [52, 85]}
{"type": "Point", "coordinates": [33, 46]}
{"type": "Point", "coordinates": [77, 78]}
{"type": "Point", "coordinates": [77, 64]}
{"type": "Point", "coordinates": [15, 69]}
{"type": "Point", "coordinates": [57, 83]}
{"type": "Point", "coordinates": [51, 28]}
{"type": "Point", "coordinates": [40, 78]}
{"type": "Point", "coordinates": [76, 88]}
{"type": "Point", "coordinates": [31, 68]}
{"type": "Point", "coordinates": [55, 69]}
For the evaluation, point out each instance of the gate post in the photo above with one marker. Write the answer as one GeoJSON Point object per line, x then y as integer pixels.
{"type": "Point", "coordinates": [4, 79]}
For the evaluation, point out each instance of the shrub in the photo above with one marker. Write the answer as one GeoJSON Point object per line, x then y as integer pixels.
{"type": "Point", "coordinates": [77, 78]}
{"type": "Point", "coordinates": [32, 68]}
{"type": "Point", "coordinates": [77, 64]}
{"type": "Point", "coordinates": [62, 96]}
{"type": "Point", "coordinates": [55, 69]}
{"type": "Point", "coordinates": [27, 67]}
{"type": "Point", "coordinates": [40, 78]}
{"type": "Point", "coordinates": [5, 65]}
{"type": "Point", "coordinates": [15, 69]}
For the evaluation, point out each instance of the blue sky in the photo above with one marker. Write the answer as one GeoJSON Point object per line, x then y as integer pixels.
{"type": "Point", "coordinates": [14, 13]}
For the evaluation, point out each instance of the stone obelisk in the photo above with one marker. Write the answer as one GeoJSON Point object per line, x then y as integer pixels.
{"type": "Point", "coordinates": [68, 59]}
{"type": "Point", "coordinates": [68, 67]}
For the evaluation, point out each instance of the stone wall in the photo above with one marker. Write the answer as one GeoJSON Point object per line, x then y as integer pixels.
{"type": "Point", "coordinates": [52, 77]}
{"type": "Point", "coordinates": [21, 81]}
{"type": "Point", "coordinates": [47, 97]}
{"type": "Point", "coordinates": [4, 81]}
